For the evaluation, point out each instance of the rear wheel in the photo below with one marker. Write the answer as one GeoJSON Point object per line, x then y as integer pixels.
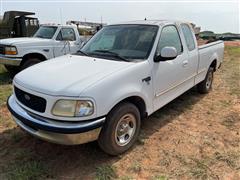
{"type": "Point", "coordinates": [120, 130]}
{"type": "Point", "coordinates": [30, 62]}
{"type": "Point", "coordinates": [206, 85]}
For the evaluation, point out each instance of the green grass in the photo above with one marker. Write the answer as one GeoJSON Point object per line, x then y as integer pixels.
{"type": "Point", "coordinates": [5, 85]}
{"type": "Point", "coordinates": [202, 168]}
{"type": "Point", "coordinates": [160, 177]}
{"type": "Point", "coordinates": [105, 172]}
{"type": "Point", "coordinates": [232, 76]}
{"type": "Point", "coordinates": [136, 167]}
{"type": "Point", "coordinates": [231, 120]}
{"type": "Point", "coordinates": [232, 159]}
{"type": "Point", "coordinates": [27, 171]}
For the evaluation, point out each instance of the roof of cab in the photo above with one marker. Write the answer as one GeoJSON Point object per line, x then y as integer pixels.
{"type": "Point", "coordinates": [59, 25]}
{"type": "Point", "coordinates": [148, 22]}
{"type": "Point", "coordinates": [152, 22]}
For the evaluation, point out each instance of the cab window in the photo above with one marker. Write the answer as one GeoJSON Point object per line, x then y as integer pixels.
{"type": "Point", "coordinates": [66, 34]}
{"type": "Point", "coordinates": [188, 35]}
{"type": "Point", "coordinates": [170, 37]}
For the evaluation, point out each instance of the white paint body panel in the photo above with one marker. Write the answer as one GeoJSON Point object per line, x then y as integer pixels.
{"type": "Point", "coordinates": [49, 48]}
{"type": "Point", "coordinates": [108, 82]}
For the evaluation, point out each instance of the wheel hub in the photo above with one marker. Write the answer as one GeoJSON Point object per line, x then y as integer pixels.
{"type": "Point", "coordinates": [209, 81]}
{"type": "Point", "coordinates": [125, 129]}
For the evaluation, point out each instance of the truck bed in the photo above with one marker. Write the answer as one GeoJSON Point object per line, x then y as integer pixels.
{"type": "Point", "coordinates": [207, 53]}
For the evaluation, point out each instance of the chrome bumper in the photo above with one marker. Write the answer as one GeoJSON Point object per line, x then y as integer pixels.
{"type": "Point", "coordinates": [10, 61]}
{"type": "Point", "coordinates": [68, 133]}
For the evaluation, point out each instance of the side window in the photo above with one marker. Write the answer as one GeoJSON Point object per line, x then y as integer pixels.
{"type": "Point", "coordinates": [169, 37]}
{"type": "Point", "coordinates": [188, 35]}
{"type": "Point", "coordinates": [68, 34]}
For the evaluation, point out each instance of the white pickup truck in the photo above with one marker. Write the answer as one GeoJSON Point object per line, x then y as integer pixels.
{"type": "Point", "coordinates": [48, 42]}
{"type": "Point", "coordinates": [123, 74]}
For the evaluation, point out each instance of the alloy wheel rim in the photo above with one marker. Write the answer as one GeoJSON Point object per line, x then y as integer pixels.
{"type": "Point", "coordinates": [125, 129]}
{"type": "Point", "coordinates": [209, 80]}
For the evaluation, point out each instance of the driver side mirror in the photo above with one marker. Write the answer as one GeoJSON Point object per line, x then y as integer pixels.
{"type": "Point", "coordinates": [167, 53]}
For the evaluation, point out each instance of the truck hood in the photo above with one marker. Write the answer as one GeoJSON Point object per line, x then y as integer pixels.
{"type": "Point", "coordinates": [68, 75]}
{"type": "Point", "coordinates": [22, 41]}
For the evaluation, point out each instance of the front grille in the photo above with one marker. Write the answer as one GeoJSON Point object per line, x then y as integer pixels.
{"type": "Point", "coordinates": [31, 101]}
{"type": "Point", "coordinates": [2, 51]}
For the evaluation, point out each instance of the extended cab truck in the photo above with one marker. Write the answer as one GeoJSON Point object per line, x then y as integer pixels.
{"type": "Point", "coordinates": [122, 74]}
{"type": "Point", "coordinates": [48, 42]}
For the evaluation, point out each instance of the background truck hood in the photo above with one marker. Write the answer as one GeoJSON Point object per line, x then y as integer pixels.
{"type": "Point", "coordinates": [67, 75]}
{"type": "Point", "coordinates": [24, 40]}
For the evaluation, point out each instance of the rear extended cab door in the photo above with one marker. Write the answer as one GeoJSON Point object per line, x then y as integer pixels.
{"type": "Point", "coordinates": [190, 46]}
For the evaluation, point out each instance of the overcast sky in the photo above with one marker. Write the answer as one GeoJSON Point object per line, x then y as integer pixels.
{"type": "Point", "coordinates": [216, 15]}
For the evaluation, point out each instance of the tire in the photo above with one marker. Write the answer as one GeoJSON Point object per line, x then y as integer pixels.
{"type": "Point", "coordinates": [206, 85]}
{"type": "Point", "coordinates": [30, 62]}
{"type": "Point", "coordinates": [13, 70]}
{"type": "Point", "coordinates": [123, 121]}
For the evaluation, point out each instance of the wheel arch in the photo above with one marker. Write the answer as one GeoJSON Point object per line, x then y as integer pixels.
{"type": "Point", "coordinates": [214, 61]}
{"type": "Point", "coordinates": [214, 64]}
{"type": "Point", "coordinates": [33, 55]}
{"type": "Point", "coordinates": [137, 101]}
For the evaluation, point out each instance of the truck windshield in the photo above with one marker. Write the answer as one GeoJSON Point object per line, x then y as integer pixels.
{"type": "Point", "coordinates": [45, 32]}
{"type": "Point", "coordinates": [123, 42]}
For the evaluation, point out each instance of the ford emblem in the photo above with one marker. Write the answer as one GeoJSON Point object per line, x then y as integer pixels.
{"type": "Point", "coordinates": [27, 97]}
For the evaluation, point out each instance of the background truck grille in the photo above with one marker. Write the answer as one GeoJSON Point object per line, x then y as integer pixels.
{"type": "Point", "coordinates": [2, 49]}
{"type": "Point", "coordinates": [31, 101]}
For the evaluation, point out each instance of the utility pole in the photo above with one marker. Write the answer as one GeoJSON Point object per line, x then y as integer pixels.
{"type": "Point", "coordinates": [61, 16]}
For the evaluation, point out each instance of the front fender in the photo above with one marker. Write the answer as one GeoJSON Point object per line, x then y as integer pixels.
{"type": "Point", "coordinates": [48, 55]}
{"type": "Point", "coordinates": [126, 94]}
{"type": "Point", "coordinates": [113, 89]}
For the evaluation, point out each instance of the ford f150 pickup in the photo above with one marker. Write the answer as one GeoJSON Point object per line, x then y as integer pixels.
{"type": "Point", "coordinates": [48, 42]}
{"type": "Point", "coordinates": [123, 74]}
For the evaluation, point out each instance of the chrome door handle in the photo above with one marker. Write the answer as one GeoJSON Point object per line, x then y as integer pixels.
{"type": "Point", "coordinates": [185, 63]}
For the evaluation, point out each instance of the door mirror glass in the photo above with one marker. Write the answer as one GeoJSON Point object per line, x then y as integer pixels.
{"type": "Point", "coordinates": [167, 53]}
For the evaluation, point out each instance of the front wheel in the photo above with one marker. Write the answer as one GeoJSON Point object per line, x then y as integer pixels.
{"type": "Point", "coordinates": [30, 62]}
{"type": "Point", "coordinates": [121, 129]}
{"type": "Point", "coordinates": [206, 85]}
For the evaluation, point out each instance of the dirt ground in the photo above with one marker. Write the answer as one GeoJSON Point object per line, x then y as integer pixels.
{"type": "Point", "coordinates": [194, 137]}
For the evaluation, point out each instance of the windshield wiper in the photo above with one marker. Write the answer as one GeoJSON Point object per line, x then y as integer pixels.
{"type": "Point", "coordinates": [81, 52]}
{"type": "Point", "coordinates": [113, 54]}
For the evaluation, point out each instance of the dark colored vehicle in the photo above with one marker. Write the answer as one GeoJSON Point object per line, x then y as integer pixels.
{"type": "Point", "coordinates": [229, 37]}
{"type": "Point", "coordinates": [18, 24]}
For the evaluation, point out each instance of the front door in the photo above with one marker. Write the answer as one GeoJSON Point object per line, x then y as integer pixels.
{"type": "Point", "coordinates": [169, 76]}
{"type": "Point", "coordinates": [65, 42]}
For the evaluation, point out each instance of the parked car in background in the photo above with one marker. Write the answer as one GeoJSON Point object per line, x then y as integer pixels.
{"type": "Point", "coordinates": [48, 42]}
{"type": "Point", "coordinates": [18, 24]}
{"type": "Point", "coordinates": [123, 74]}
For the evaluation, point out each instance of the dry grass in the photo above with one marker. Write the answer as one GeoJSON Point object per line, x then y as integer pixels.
{"type": "Point", "coordinates": [194, 137]}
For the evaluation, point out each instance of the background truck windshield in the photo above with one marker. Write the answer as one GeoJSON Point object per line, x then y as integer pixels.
{"type": "Point", "coordinates": [46, 32]}
{"type": "Point", "coordinates": [127, 41]}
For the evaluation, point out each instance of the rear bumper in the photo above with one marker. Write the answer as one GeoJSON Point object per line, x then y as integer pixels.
{"type": "Point", "coordinates": [10, 61]}
{"type": "Point", "coordinates": [68, 133]}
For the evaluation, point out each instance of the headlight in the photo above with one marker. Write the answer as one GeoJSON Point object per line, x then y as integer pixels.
{"type": "Point", "coordinates": [10, 50]}
{"type": "Point", "coordinates": [72, 108]}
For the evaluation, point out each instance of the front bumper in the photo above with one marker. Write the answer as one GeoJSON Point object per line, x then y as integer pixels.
{"type": "Point", "coordinates": [68, 133]}
{"type": "Point", "coordinates": [10, 61]}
